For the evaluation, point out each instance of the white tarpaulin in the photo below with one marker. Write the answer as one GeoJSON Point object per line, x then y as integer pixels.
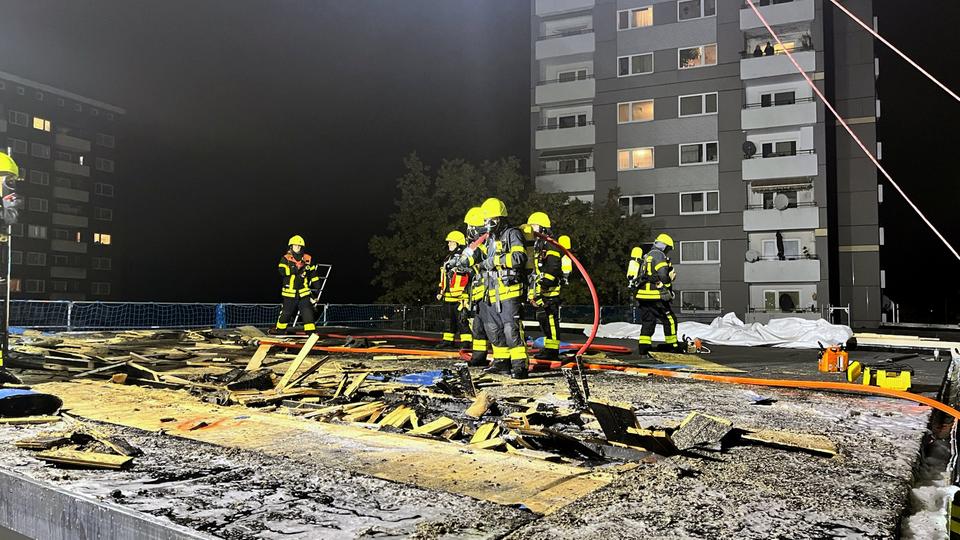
{"type": "Point", "coordinates": [789, 332]}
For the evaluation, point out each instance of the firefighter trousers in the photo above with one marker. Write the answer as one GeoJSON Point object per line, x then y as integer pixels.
{"type": "Point", "coordinates": [548, 315]}
{"type": "Point", "coordinates": [652, 312]}
{"type": "Point", "coordinates": [457, 323]}
{"type": "Point", "coordinates": [479, 333]}
{"type": "Point", "coordinates": [290, 308]}
{"type": "Point", "coordinates": [502, 324]}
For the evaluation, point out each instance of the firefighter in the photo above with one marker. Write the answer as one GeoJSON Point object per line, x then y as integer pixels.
{"type": "Point", "coordinates": [476, 293]}
{"type": "Point", "coordinates": [653, 281]}
{"type": "Point", "coordinates": [453, 286]}
{"type": "Point", "coordinates": [544, 291]}
{"type": "Point", "coordinates": [300, 284]}
{"type": "Point", "coordinates": [503, 270]}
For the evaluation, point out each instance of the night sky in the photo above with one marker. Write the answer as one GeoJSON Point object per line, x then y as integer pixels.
{"type": "Point", "coordinates": [249, 124]}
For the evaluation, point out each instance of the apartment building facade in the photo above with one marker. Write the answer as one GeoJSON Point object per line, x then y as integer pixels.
{"type": "Point", "coordinates": [693, 113]}
{"type": "Point", "coordinates": [66, 147]}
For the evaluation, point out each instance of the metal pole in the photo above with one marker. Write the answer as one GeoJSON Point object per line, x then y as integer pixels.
{"type": "Point", "coordinates": [70, 315]}
{"type": "Point", "coordinates": [6, 297]}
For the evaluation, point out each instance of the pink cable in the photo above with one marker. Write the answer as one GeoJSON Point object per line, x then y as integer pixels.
{"type": "Point", "coordinates": [850, 131]}
{"type": "Point", "coordinates": [896, 50]}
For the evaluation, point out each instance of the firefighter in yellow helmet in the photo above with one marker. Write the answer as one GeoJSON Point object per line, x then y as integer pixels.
{"type": "Point", "coordinates": [300, 283]}
{"type": "Point", "coordinates": [652, 276]}
{"type": "Point", "coordinates": [503, 270]}
{"type": "Point", "coordinates": [544, 290]}
{"type": "Point", "coordinates": [453, 287]}
{"type": "Point", "coordinates": [476, 293]}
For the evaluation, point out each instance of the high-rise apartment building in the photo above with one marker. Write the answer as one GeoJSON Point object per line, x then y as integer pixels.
{"type": "Point", "coordinates": [694, 114]}
{"type": "Point", "coordinates": [66, 147]}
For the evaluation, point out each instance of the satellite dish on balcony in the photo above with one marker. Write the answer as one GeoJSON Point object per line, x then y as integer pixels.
{"type": "Point", "coordinates": [781, 202]}
{"type": "Point", "coordinates": [749, 149]}
{"type": "Point", "coordinates": [752, 255]}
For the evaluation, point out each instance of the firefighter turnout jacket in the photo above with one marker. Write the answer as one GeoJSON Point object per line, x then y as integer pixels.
{"type": "Point", "coordinates": [654, 276]}
{"type": "Point", "coordinates": [299, 275]}
{"type": "Point", "coordinates": [505, 265]}
{"type": "Point", "coordinates": [453, 281]}
{"type": "Point", "coordinates": [547, 273]}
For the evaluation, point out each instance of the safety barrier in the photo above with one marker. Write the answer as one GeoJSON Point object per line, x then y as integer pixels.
{"type": "Point", "coordinates": [81, 315]}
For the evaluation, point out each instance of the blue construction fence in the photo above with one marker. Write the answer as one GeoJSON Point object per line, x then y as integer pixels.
{"type": "Point", "coordinates": [82, 315]}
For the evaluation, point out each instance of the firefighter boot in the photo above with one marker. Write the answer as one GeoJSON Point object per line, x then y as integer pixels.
{"type": "Point", "coordinates": [478, 359]}
{"type": "Point", "coordinates": [499, 367]}
{"type": "Point", "coordinates": [519, 369]}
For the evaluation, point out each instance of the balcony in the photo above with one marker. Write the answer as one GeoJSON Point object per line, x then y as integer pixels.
{"type": "Point", "coordinates": [557, 137]}
{"type": "Point", "coordinates": [756, 67]}
{"type": "Point", "coordinates": [68, 272]}
{"type": "Point", "coordinates": [68, 142]}
{"type": "Point", "coordinates": [804, 217]}
{"type": "Point", "coordinates": [71, 168]}
{"type": "Point", "coordinates": [554, 91]}
{"type": "Point", "coordinates": [778, 13]}
{"type": "Point", "coordinates": [803, 164]}
{"type": "Point", "coordinates": [70, 220]}
{"type": "Point", "coordinates": [758, 116]}
{"type": "Point", "coordinates": [551, 181]}
{"type": "Point", "coordinates": [565, 44]}
{"type": "Point", "coordinates": [554, 7]}
{"type": "Point", "coordinates": [777, 271]}
{"type": "Point", "coordinates": [68, 246]}
{"type": "Point", "coordinates": [71, 194]}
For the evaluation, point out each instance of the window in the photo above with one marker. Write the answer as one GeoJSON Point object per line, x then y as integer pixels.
{"type": "Point", "coordinates": [37, 231]}
{"type": "Point", "coordinates": [61, 260]}
{"type": "Point", "coordinates": [770, 198]}
{"type": "Point", "coordinates": [700, 202]}
{"type": "Point", "coordinates": [778, 98]}
{"type": "Point", "coordinates": [102, 263]}
{"type": "Point", "coordinates": [104, 214]}
{"type": "Point", "coordinates": [571, 165]}
{"type": "Point", "coordinates": [700, 301]}
{"type": "Point", "coordinates": [36, 259]}
{"type": "Point", "coordinates": [36, 204]}
{"type": "Point", "coordinates": [104, 164]}
{"type": "Point", "coordinates": [63, 156]}
{"type": "Point", "coordinates": [781, 300]}
{"type": "Point", "coordinates": [691, 57]}
{"type": "Point", "coordinates": [21, 91]}
{"type": "Point", "coordinates": [779, 149]}
{"type": "Point", "coordinates": [107, 141]}
{"type": "Point", "coordinates": [635, 18]}
{"type": "Point", "coordinates": [39, 96]}
{"type": "Point", "coordinates": [17, 257]}
{"type": "Point", "coordinates": [567, 121]}
{"type": "Point", "coordinates": [16, 229]}
{"type": "Point", "coordinates": [700, 252]}
{"type": "Point", "coordinates": [698, 104]}
{"type": "Point", "coordinates": [635, 111]}
{"type": "Point", "coordinates": [18, 118]}
{"type": "Point", "coordinates": [15, 285]}
{"type": "Point", "coordinates": [105, 190]}
{"type": "Point", "coordinates": [636, 64]}
{"type": "Point", "coordinates": [695, 9]}
{"type": "Point", "coordinates": [100, 289]}
{"type": "Point", "coordinates": [791, 249]}
{"type": "Point", "coordinates": [40, 178]}
{"type": "Point", "coordinates": [41, 124]}
{"type": "Point", "coordinates": [40, 150]}
{"type": "Point", "coordinates": [634, 158]}
{"type": "Point", "coordinates": [59, 286]}
{"type": "Point", "coordinates": [60, 234]}
{"type": "Point", "coordinates": [641, 205]}
{"type": "Point", "coordinates": [35, 286]}
{"type": "Point", "coordinates": [101, 238]}
{"type": "Point", "coordinates": [565, 76]}
{"type": "Point", "coordinates": [698, 153]}
{"type": "Point", "coordinates": [18, 146]}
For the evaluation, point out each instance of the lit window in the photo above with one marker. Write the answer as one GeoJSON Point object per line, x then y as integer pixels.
{"type": "Point", "coordinates": [41, 124]}
{"type": "Point", "coordinates": [700, 202]}
{"type": "Point", "coordinates": [690, 57]}
{"type": "Point", "coordinates": [635, 111]}
{"type": "Point", "coordinates": [698, 153]}
{"type": "Point", "coordinates": [698, 104]}
{"type": "Point", "coordinates": [635, 158]}
{"type": "Point", "coordinates": [700, 301]}
{"type": "Point", "coordinates": [700, 252]}
{"type": "Point", "coordinates": [101, 238]}
{"type": "Point", "coordinates": [637, 64]}
{"type": "Point", "coordinates": [635, 18]}
{"type": "Point", "coordinates": [641, 205]}
{"type": "Point", "coordinates": [15, 285]}
{"type": "Point", "coordinates": [695, 9]}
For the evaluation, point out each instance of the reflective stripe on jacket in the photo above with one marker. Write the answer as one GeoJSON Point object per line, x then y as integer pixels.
{"type": "Point", "coordinates": [299, 277]}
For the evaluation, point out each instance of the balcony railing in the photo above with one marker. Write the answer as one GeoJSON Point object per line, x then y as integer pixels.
{"type": "Point", "coordinates": [777, 52]}
{"type": "Point", "coordinates": [775, 104]}
{"type": "Point", "coordinates": [781, 154]}
{"type": "Point", "coordinates": [550, 172]}
{"type": "Point", "coordinates": [765, 207]}
{"type": "Point", "coordinates": [558, 81]}
{"type": "Point", "coordinates": [578, 124]}
{"type": "Point", "coordinates": [762, 3]}
{"type": "Point", "coordinates": [566, 33]}
{"type": "Point", "coordinates": [802, 257]}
